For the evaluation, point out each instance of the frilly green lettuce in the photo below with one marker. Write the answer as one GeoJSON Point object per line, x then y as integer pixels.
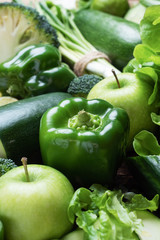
{"type": "Point", "coordinates": [104, 214]}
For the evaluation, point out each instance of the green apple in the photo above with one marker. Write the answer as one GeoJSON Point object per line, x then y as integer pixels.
{"type": "Point", "coordinates": [35, 209]}
{"type": "Point", "coordinates": [132, 95]}
{"type": "Point", "coordinates": [114, 7]}
{"type": "Point", "coordinates": [77, 234]}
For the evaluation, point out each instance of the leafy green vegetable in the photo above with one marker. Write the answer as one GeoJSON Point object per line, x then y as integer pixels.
{"type": "Point", "coordinates": [145, 143]}
{"type": "Point", "coordinates": [136, 202]}
{"type": "Point", "coordinates": [104, 214]}
{"type": "Point", "coordinates": [155, 118]}
{"type": "Point", "coordinates": [146, 65]}
{"type": "Point", "coordinates": [150, 28]}
{"type": "Point", "coordinates": [73, 46]}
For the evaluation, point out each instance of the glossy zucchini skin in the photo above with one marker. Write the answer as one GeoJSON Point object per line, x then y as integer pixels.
{"type": "Point", "coordinates": [112, 35]}
{"type": "Point", "coordinates": [19, 126]}
{"type": "Point", "coordinates": [146, 171]}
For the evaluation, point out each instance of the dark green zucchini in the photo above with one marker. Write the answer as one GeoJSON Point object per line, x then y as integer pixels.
{"type": "Point", "coordinates": [146, 171]}
{"type": "Point", "coordinates": [19, 126]}
{"type": "Point", "coordinates": [110, 34]}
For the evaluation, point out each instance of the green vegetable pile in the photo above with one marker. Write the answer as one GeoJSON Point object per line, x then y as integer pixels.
{"type": "Point", "coordinates": [86, 82]}
{"type": "Point", "coordinates": [105, 214]}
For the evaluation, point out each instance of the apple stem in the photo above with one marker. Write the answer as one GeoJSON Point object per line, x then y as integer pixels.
{"type": "Point", "coordinates": [115, 75]}
{"type": "Point", "coordinates": [24, 162]}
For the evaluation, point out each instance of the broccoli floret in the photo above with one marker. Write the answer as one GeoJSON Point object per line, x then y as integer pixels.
{"type": "Point", "coordinates": [80, 86]}
{"type": "Point", "coordinates": [21, 26]}
{"type": "Point", "coordinates": [6, 165]}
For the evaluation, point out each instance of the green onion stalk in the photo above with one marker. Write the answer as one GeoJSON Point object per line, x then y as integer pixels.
{"type": "Point", "coordinates": [73, 46]}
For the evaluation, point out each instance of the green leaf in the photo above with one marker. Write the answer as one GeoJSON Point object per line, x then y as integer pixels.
{"type": "Point", "coordinates": [150, 28]}
{"type": "Point", "coordinates": [143, 53]}
{"type": "Point", "coordinates": [139, 202]}
{"type": "Point", "coordinates": [149, 75]}
{"type": "Point", "coordinates": [155, 118]}
{"type": "Point", "coordinates": [132, 66]}
{"type": "Point", "coordinates": [146, 65]}
{"type": "Point", "coordinates": [80, 200]}
{"type": "Point", "coordinates": [145, 143]}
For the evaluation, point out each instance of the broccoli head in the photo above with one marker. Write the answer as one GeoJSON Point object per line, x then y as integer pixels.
{"type": "Point", "coordinates": [80, 86]}
{"type": "Point", "coordinates": [6, 165]}
{"type": "Point", "coordinates": [21, 26]}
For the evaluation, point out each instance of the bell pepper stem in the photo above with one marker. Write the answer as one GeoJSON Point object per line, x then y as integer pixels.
{"type": "Point", "coordinates": [83, 118]}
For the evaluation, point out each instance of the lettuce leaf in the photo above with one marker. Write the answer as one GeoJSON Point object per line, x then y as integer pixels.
{"type": "Point", "coordinates": [104, 214]}
{"type": "Point", "coordinates": [145, 144]}
{"type": "Point", "coordinates": [146, 62]}
{"type": "Point", "coordinates": [146, 65]}
{"type": "Point", "coordinates": [150, 28]}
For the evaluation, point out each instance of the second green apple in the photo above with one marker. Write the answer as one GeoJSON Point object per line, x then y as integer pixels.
{"type": "Point", "coordinates": [114, 7]}
{"type": "Point", "coordinates": [132, 95]}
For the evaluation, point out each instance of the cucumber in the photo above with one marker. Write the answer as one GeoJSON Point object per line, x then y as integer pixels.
{"type": "Point", "coordinates": [19, 126]}
{"type": "Point", "coordinates": [110, 34]}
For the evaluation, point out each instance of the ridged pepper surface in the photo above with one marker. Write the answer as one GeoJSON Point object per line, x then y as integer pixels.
{"type": "Point", "coordinates": [84, 139]}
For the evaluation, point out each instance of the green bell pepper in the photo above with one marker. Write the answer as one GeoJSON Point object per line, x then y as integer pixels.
{"type": "Point", "coordinates": [1, 231]}
{"type": "Point", "coordinates": [34, 70]}
{"type": "Point", "coordinates": [84, 139]}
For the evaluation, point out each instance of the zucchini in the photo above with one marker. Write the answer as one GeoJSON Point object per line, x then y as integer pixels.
{"type": "Point", "coordinates": [19, 126]}
{"type": "Point", "coordinates": [151, 225]}
{"type": "Point", "coordinates": [110, 34]}
{"type": "Point", "coordinates": [146, 170]}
